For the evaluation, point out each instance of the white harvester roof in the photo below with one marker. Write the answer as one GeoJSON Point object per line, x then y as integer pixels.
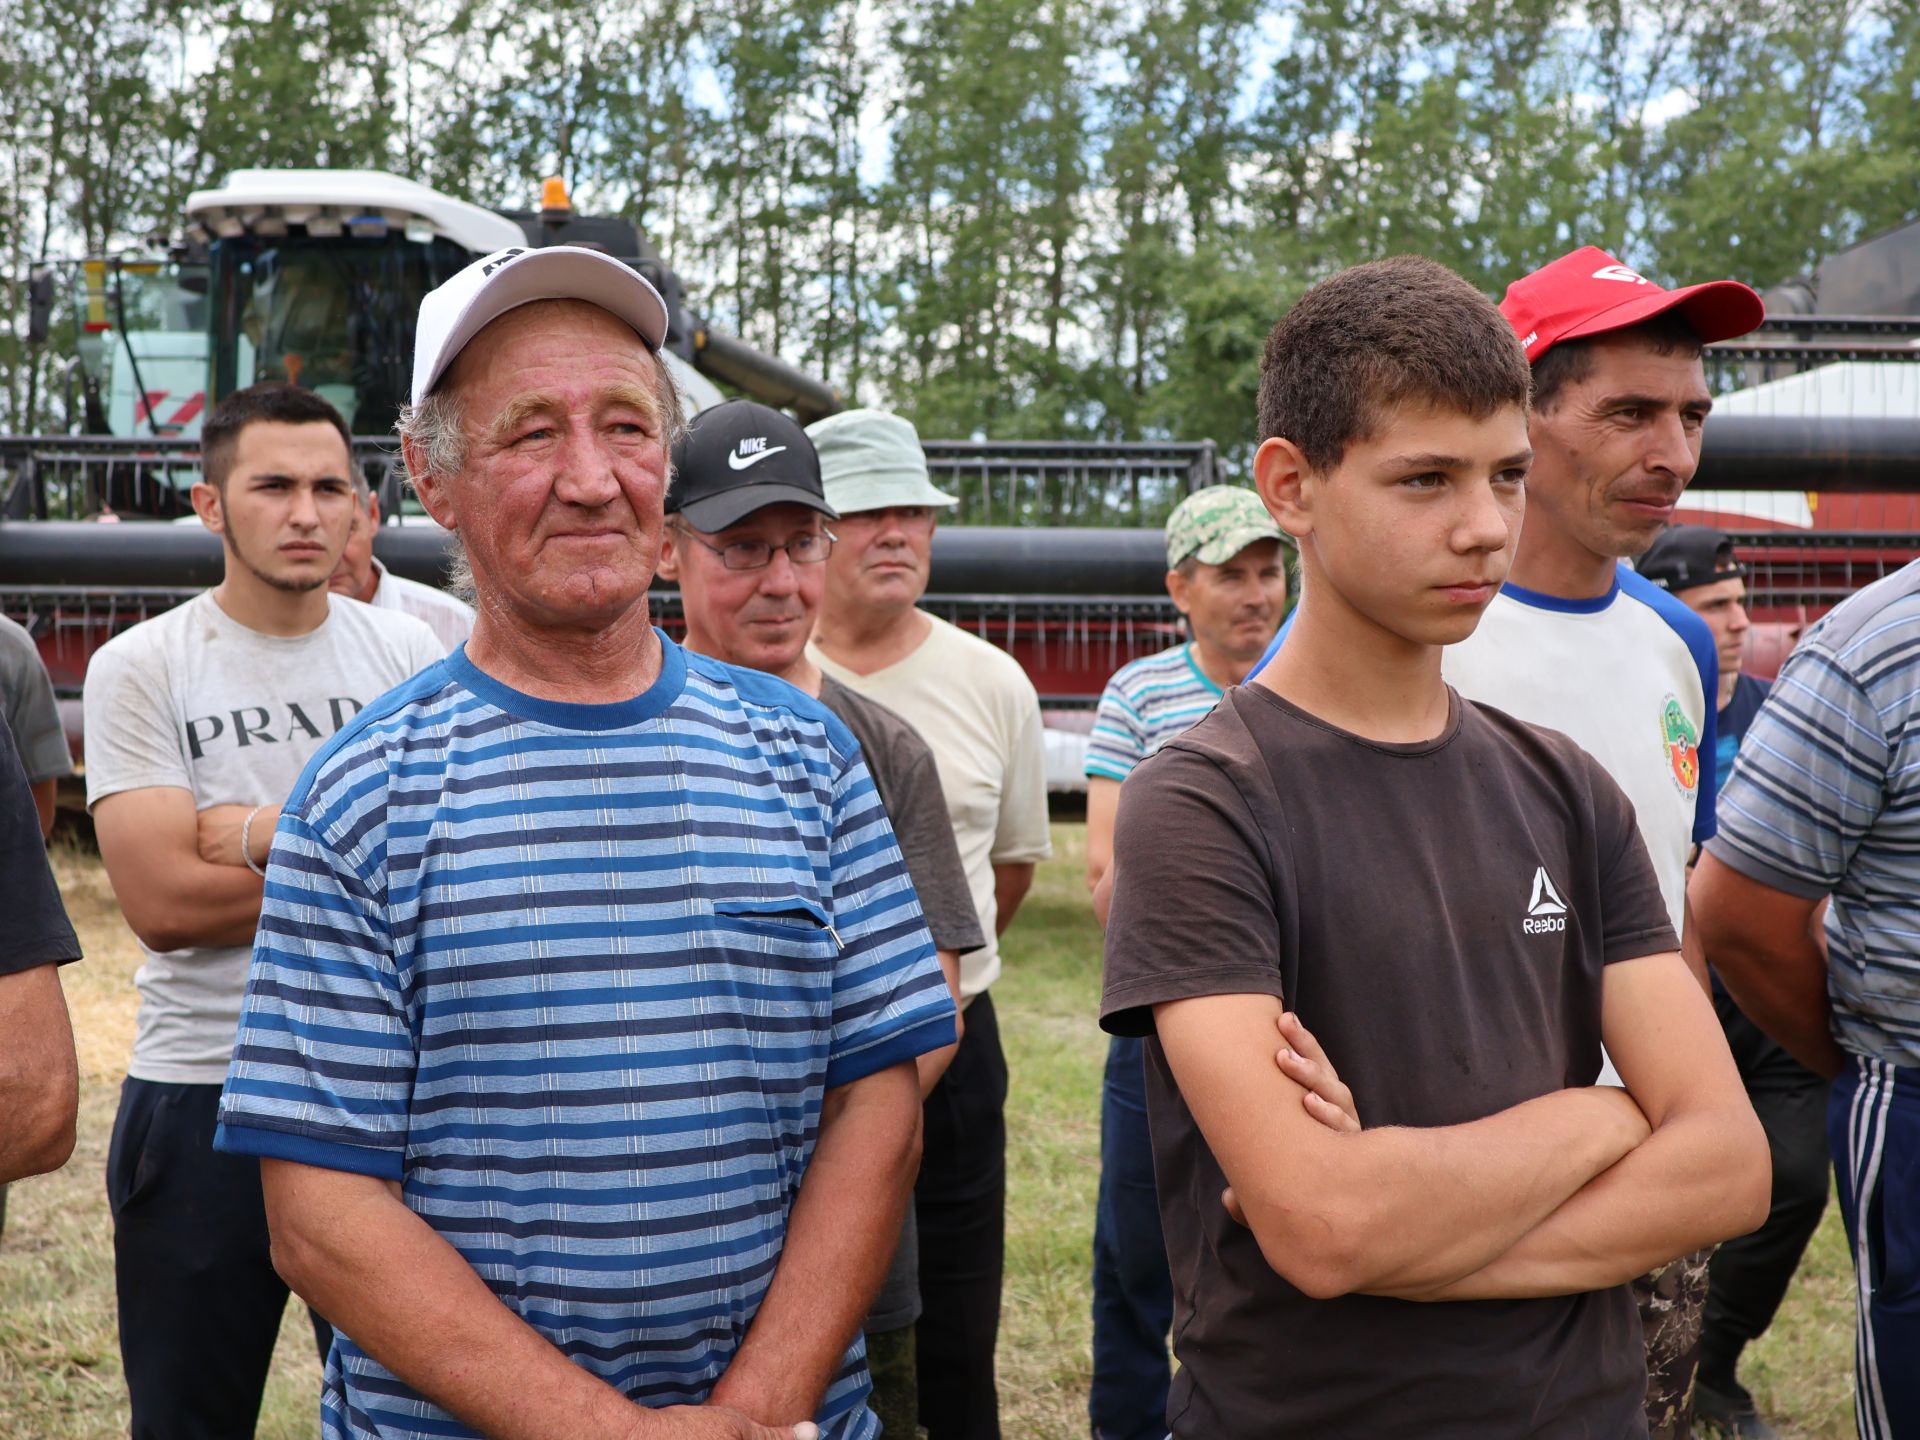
{"type": "Point", "coordinates": [267, 201]}
{"type": "Point", "coordinates": [1854, 389]}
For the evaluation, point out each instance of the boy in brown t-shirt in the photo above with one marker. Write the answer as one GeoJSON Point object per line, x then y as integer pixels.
{"type": "Point", "coordinates": [1456, 904]}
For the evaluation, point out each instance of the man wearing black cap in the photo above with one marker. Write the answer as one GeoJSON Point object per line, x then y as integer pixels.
{"type": "Point", "coordinates": [746, 538]}
{"type": "Point", "coordinates": [1748, 1276]}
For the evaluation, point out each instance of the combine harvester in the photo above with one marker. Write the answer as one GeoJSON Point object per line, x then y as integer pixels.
{"type": "Point", "coordinates": [315, 276]}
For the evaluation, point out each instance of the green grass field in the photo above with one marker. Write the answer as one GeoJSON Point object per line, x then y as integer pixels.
{"type": "Point", "coordinates": [60, 1365]}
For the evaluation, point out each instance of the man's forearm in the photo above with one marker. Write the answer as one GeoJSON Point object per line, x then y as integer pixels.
{"type": "Point", "coordinates": [207, 905]}
{"type": "Point", "coordinates": [932, 1065]}
{"type": "Point", "coordinates": [1010, 886]}
{"type": "Point", "coordinates": [1693, 952]}
{"type": "Point", "coordinates": [1673, 1195]}
{"type": "Point", "coordinates": [173, 898]}
{"type": "Point", "coordinates": [39, 1079]}
{"type": "Point", "coordinates": [840, 1238]}
{"type": "Point", "coordinates": [46, 795]}
{"type": "Point", "coordinates": [186, 902]}
{"type": "Point", "coordinates": [1785, 994]}
{"type": "Point", "coordinates": [1767, 949]}
{"type": "Point", "coordinates": [1103, 803]}
{"type": "Point", "coordinates": [340, 1241]}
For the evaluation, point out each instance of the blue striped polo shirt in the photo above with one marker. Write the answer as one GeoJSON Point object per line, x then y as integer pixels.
{"type": "Point", "coordinates": [1147, 703]}
{"type": "Point", "coordinates": [1825, 799]}
{"type": "Point", "coordinates": [577, 976]}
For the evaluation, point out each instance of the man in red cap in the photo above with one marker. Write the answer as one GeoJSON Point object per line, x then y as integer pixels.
{"type": "Point", "coordinates": [1580, 643]}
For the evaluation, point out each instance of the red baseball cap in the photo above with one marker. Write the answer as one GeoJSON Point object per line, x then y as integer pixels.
{"type": "Point", "coordinates": [1589, 293]}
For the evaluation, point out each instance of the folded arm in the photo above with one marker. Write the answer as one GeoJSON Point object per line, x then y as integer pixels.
{"type": "Point", "coordinates": [1384, 1209]}
{"type": "Point", "coordinates": [339, 1239]}
{"type": "Point", "coordinates": [1767, 946]}
{"type": "Point", "coordinates": [1703, 1176]}
{"type": "Point", "coordinates": [840, 1238]}
{"type": "Point", "coordinates": [171, 895]}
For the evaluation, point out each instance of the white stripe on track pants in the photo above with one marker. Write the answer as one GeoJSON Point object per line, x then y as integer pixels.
{"type": "Point", "coordinates": [1873, 1124]}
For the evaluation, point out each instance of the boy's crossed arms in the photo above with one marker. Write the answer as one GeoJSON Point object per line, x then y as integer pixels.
{"type": "Point", "coordinates": [1577, 1190]}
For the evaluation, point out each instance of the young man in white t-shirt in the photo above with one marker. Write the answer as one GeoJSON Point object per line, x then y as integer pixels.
{"type": "Point", "coordinates": [361, 577]}
{"type": "Point", "coordinates": [198, 722]}
{"type": "Point", "coordinates": [977, 711]}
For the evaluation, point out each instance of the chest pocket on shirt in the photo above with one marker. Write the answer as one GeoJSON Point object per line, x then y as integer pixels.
{"type": "Point", "coordinates": [790, 927]}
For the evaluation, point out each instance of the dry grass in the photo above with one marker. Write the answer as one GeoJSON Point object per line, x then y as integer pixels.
{"type": "Point", "coordinates": [59, 1347]}
{"type": "Point", "coordinates": [60, 1364]}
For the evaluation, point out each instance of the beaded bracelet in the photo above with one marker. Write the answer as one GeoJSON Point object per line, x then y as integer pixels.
{"type": "Point", "coordinates": [246, 840]}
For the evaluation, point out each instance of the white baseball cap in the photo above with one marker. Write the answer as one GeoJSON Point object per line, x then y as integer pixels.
{"type": "Point", "coordinates": [457, 311]}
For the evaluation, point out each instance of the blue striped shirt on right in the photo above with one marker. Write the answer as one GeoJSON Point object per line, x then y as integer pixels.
{"type": "Point", "coordinates": [1147, 703]}
{"type": "Point", "coordinates": [1825, 799]}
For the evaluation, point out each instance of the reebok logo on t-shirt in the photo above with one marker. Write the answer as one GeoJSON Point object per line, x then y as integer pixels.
{"type": "Point", "coordinates": [1546, 911]}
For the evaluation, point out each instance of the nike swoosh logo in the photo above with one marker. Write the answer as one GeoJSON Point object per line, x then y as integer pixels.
{"type": "Point", "coordinates": [739, 462]}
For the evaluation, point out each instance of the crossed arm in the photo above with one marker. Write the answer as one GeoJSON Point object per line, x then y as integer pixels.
{"type": "Point", "coordinates": [156, 848]}
{"type": "Point", "coordinates": [1575, 1190]}
{"type": "Point", "coordinates": [339, 1239]}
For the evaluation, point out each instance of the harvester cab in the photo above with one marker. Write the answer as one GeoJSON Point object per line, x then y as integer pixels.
{"type": "Point", "coordinates": [314, 277]}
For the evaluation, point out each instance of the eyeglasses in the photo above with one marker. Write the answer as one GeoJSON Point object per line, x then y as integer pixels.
{"type": "Point", "coordinates": [807, 549]}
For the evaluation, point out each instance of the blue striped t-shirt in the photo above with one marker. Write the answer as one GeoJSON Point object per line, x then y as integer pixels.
{"type": "Point", "coordinates": [1825, 799]}
{"type": "Point", "coordinates": [1147, 703]}
{"type": "Point", "coordinates": [577, 976]}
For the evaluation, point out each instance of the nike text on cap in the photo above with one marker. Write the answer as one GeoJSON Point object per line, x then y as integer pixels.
{"type": "Point", "coordinates": [1589, 293]}
{"type": "Point", "coordinates": [738, 458]}
{"type": "Point", "coordinates": [454, 313]}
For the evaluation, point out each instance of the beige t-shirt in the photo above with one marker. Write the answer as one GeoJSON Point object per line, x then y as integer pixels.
{"type": "Point", "coordinates": [977, 711]}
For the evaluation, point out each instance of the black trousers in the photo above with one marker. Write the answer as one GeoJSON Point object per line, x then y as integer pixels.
{"type": "Point", "coordinates": [961, 1204]}
{"type": "Point", "coordinates": [200, 1304]}
{"type": "Point", "coordinates": [1748, 1277]}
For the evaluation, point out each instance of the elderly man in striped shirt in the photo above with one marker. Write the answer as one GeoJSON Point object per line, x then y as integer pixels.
{"type": "Point", "coordinates": [1824, 806]}
{"type": "Point", "coordinates": [1227, 574]}
{"type": "Point", "coordinates": [579, 1044]}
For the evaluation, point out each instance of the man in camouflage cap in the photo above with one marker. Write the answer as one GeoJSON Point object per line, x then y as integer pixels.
{"type": "Point", "coordinates": [1227, 573]}
{"type": "Point", "coordinates": [1210, 527]}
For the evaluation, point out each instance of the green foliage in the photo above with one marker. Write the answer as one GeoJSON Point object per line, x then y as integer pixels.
{"type": "Point", "coordinates": [1013, 218]}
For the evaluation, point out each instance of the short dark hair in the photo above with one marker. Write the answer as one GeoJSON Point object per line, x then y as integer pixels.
{"type": "Point", "coordinates": [1571, 361]}
{"type": "Point", "coordinates": [271, 400]}
{"type": "Point", "coordinates": [1379, 335]}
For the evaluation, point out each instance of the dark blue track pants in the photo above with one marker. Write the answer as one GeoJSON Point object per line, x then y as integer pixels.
{"type": "Point", "coordinates": [1873, 1122]}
